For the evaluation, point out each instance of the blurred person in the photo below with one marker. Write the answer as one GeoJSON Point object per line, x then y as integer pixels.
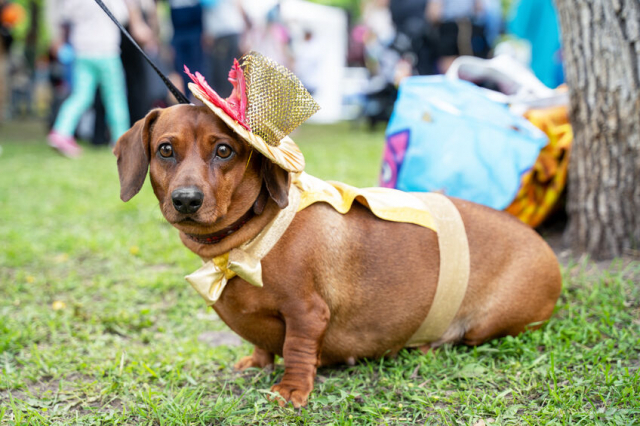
{"type": "Point", "coordinates": [272, 39]}
{"type": "Point", "coordinates": [454, 20]}
{"type": "Point", "coordinates": [139, 76]}
{"type": "Point", "coordinates": [415, 35]}
{"type": "Point", "coordinates": [383, 59]}
{"type": "Point", "coordinates": [355, 49]}
{"type": "Point", "coordinates": [377, 18]}
{"type": "Point", "coordinates": [10, 15]}
{"type": "Point", "coordinates": [308, 60]}
{"type": "Point", "coordinates": [21, 84]}
{"type": "Point", "coordinates": [379, 32]}
{"type": "Point", "coordinates": [225, 23]}
{"type": "Point", "coordinates": [5, 41]}
{"type": "Point", "coordinates": [60, 78]}
{"type": "Point", "coordinates": [186, 18]}
{"type": "Point", "coordinates": [381, 55]}
{"type": "Point", "coordinates": [96, 43]}
{"type": "Point", "coordinates": [491, 18]}
{"type": "Point", "coordinates": [537, 22]}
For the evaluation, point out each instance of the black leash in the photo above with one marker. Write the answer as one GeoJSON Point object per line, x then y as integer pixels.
{"type": "Point", "coordinates": [173, 89]}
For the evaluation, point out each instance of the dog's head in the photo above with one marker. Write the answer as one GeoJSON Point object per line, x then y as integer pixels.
{"type": "Point", "coordinates": [204, 176]}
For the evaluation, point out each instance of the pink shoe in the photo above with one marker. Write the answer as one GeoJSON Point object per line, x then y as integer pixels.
{"type": "Point", "coordinates": [65, 145]}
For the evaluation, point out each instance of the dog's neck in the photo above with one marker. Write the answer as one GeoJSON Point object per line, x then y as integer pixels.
{"type": "Point", "coordinates": [244, 232]}
{"type": "Point", "coordinates": [216, 237]}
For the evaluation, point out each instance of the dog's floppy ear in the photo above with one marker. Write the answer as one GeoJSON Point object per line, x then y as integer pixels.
{"type": "Point", "coordinates": [277, 181]}
{"type": "Point", "coordinates": [132, 151]}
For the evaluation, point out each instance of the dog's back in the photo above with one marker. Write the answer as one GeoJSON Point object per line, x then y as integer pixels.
{"type": "Point", "coordinates": [379, 278]}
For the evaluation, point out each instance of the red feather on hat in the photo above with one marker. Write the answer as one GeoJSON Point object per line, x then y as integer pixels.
{"type": "Point", "coordinates": [235, 105]}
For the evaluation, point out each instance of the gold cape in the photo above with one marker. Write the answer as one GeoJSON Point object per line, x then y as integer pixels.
{"type": "Point", "coordinates": [385, 203]}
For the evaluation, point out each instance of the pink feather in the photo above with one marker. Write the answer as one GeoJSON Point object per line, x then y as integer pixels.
{"type": "Point", "coordinates": [235, 105]}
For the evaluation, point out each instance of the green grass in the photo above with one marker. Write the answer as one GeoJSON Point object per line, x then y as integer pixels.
{"type": "Point", "coordinates": [97, 325]}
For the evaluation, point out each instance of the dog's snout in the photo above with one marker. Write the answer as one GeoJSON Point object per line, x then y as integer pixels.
{"type": "Point", "coordinates": [187, 200]}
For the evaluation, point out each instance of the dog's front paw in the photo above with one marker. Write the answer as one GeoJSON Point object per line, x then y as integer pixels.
{"type": "Point", "coordinates": [292, 392]}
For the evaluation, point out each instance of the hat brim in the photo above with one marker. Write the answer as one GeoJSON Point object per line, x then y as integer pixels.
{"type": "Point", "coordinates": [286, 155]}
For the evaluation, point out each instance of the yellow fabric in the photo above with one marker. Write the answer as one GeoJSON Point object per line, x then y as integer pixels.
{"type": "Point", "coordinates": [543, 185]}
{"type": "Point", "coordinates": [385, 203]}
{"type": "Point", "coordinates": [211, 279]}
{"type": "Point", "coordinates": [453, 277]}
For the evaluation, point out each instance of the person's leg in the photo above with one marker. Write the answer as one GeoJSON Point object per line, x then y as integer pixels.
{"type": "Point", "coordinates": [114, 95]}
{"type": "Point", "coordinates": [85, 79]}
{"type": "Point", "coordinates": [225, 50]}
{"type": "Point", "coordinates": [179, 57]}
{"type": "Point", "coordinates": [84, 88]}
{"type": "Point", "coordinates": [101, 134]}
{"type": "Point", "coordinates": [447, 45]}
{"type": "Point", "coordinates": [136, 73]}
{"type": "Point", "coordinates": [188, 51]}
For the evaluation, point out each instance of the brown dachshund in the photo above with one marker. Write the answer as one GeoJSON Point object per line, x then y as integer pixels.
{"type": "Point", "coordinates": [337, 288]}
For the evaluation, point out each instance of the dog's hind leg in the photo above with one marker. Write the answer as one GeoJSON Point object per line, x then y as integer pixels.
{"type": "Point", "coordinates": [526, 300]}
{"type": "Point", "coordinates": [260, 358]}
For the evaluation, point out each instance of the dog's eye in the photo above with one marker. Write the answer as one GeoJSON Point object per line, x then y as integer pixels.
{"type": "Point", "coordinates": [224, 151]}
{"type": "Point", "coordinates": [166, 150]}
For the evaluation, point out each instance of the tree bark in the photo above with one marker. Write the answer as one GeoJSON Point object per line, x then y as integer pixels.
{"type": "Point", "coordinates": [601, 44]}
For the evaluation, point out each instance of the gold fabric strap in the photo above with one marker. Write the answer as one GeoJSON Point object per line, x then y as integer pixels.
{"type": "Point", "coordinates": [454, 269]}
{"type": "Point", "coordinates": [210, 280]}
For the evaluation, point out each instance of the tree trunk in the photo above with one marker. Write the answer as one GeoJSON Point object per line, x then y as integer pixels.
{"type": "Point", "coordinates": [601, 43]}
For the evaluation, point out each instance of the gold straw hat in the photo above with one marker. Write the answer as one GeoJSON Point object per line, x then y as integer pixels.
{"type": "Point", "coordinates": [267, 103]}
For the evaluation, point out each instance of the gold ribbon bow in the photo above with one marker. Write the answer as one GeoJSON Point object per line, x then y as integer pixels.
{"type": "Point", "coordinates": [211, 279]}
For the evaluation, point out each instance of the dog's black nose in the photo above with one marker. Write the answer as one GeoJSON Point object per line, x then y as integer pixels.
{"type": "Point", "coordinates": [187, 200]}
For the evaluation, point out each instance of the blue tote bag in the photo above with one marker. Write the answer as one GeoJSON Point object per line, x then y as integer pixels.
{"type": "Point", "coordinates": [446, 135]}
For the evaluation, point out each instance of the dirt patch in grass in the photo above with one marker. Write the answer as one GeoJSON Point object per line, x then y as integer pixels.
{"type": "Point", "coordinates": [47, 386]}
{"type": "Point", "coordinates": [220, 338]}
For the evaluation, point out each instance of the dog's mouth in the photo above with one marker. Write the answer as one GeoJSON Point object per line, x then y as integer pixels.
{"type": "Point", "coordinates": [193, 228]}
{"type": "Point", "coordinates": [220, 235]}
{"type": "Point", "coordinates": [188, 221]}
